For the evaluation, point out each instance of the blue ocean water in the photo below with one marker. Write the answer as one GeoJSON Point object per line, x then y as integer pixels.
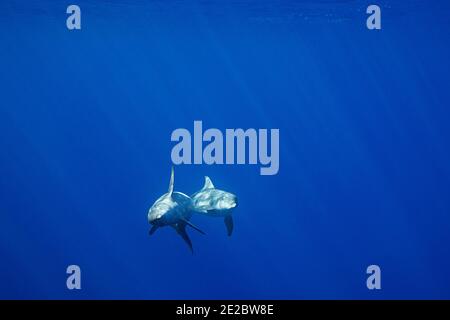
{"type": "Point", "coordinates": [85, 124]}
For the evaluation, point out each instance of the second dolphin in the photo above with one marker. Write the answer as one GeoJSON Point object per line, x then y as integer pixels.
{"type": "Point", "coordinates": [215, 203]}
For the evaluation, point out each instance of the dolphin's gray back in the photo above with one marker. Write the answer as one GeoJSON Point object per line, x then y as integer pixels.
{"type": "Point", "coordinates": [184, 204]}
{"type": "Point", "coordinates": [181, 198]}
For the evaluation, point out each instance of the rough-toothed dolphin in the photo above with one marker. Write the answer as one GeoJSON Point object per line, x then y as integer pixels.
{"type": "Point", "coordinates": [215, 203]}
{"type": "Point", "coordinates": [172, 209]}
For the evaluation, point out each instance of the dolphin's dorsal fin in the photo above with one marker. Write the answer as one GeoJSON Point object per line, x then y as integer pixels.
{"type": "Point", "coordinates": [171, 183]}
{"type": "Point", "coordinates": [208, 184]}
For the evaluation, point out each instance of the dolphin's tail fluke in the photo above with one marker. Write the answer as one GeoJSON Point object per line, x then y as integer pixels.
{"type": "Point", "coordinates": [229, 223]}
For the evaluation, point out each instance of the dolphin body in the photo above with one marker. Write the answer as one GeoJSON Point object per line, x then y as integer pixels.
{"type": "Point", "coordinates": [215, 203]}
{"type": "Point", "coordinates": [172, 209]}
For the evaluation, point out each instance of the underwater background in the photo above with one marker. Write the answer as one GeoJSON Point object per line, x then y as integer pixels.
{"type": "Point", "coordinates": [85, 124]}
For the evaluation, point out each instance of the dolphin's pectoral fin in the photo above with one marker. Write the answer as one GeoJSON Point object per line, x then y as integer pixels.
{"type": "Point", "coordinates": [181, 230]}
{"type": "Point", "coordinates": [229, 224]}
{"type": "Point", "coordinates": [152, 230]}
{"type": "Point", "coordinates": [192, 226]}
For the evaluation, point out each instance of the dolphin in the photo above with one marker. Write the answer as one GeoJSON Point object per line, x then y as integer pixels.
{"type": "Point", "coordinates": [172, 209]}
{"type": "Point", "coordinates": [215, 203]}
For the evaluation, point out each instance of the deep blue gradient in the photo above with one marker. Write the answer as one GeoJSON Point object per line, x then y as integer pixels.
{"type": "Point", "coordinates": [85, 124]}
